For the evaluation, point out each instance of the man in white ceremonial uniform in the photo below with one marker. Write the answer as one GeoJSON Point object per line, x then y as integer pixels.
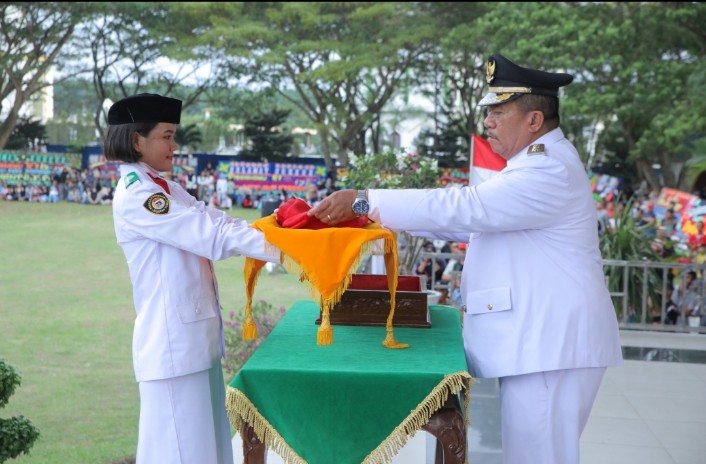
{"type": "Point", "coordinates": [170, 240]}
{"type": "Point", "coordinates": [538, 315]}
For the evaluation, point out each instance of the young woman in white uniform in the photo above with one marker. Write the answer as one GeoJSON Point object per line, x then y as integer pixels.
{"type": "Point", "coordinates": [170, 241]}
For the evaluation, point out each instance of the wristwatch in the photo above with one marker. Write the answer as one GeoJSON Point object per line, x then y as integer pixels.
{"type": "Point", "coordinates": [360, 205]}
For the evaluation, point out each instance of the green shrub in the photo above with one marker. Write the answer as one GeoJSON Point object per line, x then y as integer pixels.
{"type": "Point", "coordinates": [17, 434]}
{"type": "Point", "coordinates": [629, 242]}
{"type": "Point", "coordinates": [238, 351]}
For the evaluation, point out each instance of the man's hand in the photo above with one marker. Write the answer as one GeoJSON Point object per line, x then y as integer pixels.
{"type": "Point", "coordinates": [335, 208]}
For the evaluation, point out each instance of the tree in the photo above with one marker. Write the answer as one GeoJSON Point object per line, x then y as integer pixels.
{"type": "Point", "coordinates": [129, 43]}
{"type": "Point", "coordinates": [454, 80]}
{"type": "Point", "coordinates": [188, 137]}
{"type": "Point", "coordinates": [270, 140]}
{"type": "Point", "coordinates": [696, 167]}
{"type": "Point", "coordinates": [33, 35]}
{"type": "Point", "coordinates": [632, 62]}
{"type": "Point", "coordinates": [345, 60]}
{"type": "Point", "coordinates": [634, 67]}
{"type": "Point", "coordinates": [72, 123]}
{"type": "Point", "coordinates": [17, 434]}
{"type": "Point", "coordinates": [27, 135]}
{"type": "Point", "coordinates": [449, 143]}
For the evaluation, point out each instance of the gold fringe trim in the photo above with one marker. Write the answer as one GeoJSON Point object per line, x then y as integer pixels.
{"type": "Point", "coordinates": [452, 384]}
{"type": "Point", "coordinates": [241, 410]}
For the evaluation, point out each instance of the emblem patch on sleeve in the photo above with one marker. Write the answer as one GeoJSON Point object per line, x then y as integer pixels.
{"type": "Point", "coordinates": [131, 178]}
{"type": "Point", "coordinates": [157, 203]}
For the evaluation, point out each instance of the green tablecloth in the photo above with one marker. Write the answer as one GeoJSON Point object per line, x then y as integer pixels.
{"type": "Point", "coordinates": [350, 402]}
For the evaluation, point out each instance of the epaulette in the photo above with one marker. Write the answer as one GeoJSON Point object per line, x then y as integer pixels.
{"type": "Point", "coordinates": [536, 149]}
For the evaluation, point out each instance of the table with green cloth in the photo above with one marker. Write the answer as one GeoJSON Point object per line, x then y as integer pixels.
{"type": "Point", "coordinates": [354, 401]}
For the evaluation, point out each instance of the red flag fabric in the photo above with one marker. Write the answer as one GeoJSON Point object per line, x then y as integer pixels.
{"type": "Point", "coordinates": [486, 163]}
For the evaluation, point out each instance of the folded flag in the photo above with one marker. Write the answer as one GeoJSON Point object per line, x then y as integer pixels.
{"type": "Point", "coordinates": [325, 257]}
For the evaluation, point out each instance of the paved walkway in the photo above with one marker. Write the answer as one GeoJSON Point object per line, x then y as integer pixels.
{"type": "Point", "coordinates": [650, 411]}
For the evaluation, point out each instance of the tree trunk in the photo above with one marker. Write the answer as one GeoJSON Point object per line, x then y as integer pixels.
{"type": "Point", "coordinates": [8, 125]}
{"type": "Point", "coordinates": [645, 168]}
{"type": "Point", "coordinates": [409, 254]}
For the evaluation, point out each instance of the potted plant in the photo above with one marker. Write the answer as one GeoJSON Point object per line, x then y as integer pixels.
{"type": "Point", "coordinates": [395, 169]}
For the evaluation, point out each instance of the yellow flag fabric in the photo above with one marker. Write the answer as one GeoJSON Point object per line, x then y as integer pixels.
{"type": "Point", "coordinates": [326, 260]}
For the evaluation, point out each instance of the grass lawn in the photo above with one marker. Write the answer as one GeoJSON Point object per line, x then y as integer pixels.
{"type": "Point", "coordinates": [66, 318]}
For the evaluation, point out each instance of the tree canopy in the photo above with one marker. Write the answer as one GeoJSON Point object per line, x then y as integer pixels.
{"type": "Point", "coordinates": [349, 68]}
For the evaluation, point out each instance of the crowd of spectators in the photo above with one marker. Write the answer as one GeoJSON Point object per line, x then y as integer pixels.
{"type": "Point", "coordinates": [86, 186]}
{"type": "Point", "coordinates": [686, 294]}
{"type": "Point", "coordinates": [673, 237]}
{"type": "Point", "coordinates": [96, 186]}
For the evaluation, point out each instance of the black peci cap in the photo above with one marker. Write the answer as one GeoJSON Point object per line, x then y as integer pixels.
{"type": "Point", "coordinates": [508, 81]}
{"type": "Point", "coordinates": [145, 107]}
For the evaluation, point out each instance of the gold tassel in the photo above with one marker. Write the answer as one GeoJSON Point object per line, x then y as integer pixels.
{"type": "Point", "coordinates": [250, 274]}
{"type": "Point", "coordinates": [391, 266]}
{"type": "Point", "coordinates": [390, 341]}
{"type": "Point", "coordinates": [325, 334]}
{"type": "Point", "coordinates": [249, 328]}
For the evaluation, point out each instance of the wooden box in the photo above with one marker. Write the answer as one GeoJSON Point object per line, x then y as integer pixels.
{"type": "Point", "coordinates": [367, 302]}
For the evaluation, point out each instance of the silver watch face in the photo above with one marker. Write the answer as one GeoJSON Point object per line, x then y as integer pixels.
{"type": "Point", "coordinates": [360, 207]}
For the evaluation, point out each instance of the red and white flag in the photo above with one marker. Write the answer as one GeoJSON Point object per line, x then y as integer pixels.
{"type": "Point", "coordinates": [485, 163]}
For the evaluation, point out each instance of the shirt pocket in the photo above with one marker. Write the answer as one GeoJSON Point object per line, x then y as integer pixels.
{"type": "Point", "coordinates": [488, 301]}
{"type": "Point", "coordinates": [195, 310]}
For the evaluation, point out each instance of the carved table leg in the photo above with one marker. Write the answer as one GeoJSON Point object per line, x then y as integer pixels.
{"type": "Point", "coordinates": [449, 427]}
{"type": "Point", "coordinates": [254, 451]}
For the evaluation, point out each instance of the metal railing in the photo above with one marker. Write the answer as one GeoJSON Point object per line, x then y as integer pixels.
{"type": "Point", "coordinates": [644, 316]}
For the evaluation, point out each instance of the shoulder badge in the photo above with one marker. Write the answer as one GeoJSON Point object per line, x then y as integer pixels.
{"type": "Point", "coordinates": [536, 149]}
{"type": "Point", "coordinates": [131, 178]}
{"type": "Point", "coordinates": [157, 203]}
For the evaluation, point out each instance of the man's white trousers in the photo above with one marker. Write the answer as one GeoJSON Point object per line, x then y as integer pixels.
{"type": "Point", "coordinates": [544, 413]}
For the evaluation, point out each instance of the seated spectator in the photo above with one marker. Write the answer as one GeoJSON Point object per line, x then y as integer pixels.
{"type": "Point", "coordinates": [669, 222]}
{"type": "Point", "coordinates": [54, 192]}
{"type": "Point", "coordinates": [603, 217]}
{"type": "Point", "coordinates": [454, 265]}
{"type": "Point", "coordinates": [455, 298]}
{"type": "Point", "coordinates": [312, 195]}
{"type": "Point", "coordinates": [105, 196]}
{"type": "Point", "coordinates": [671, 310]}
{"type": "Point", "coordinates": [689, 297]}
{"type": "Point", "coordinates": [430, 267]}
{"type": "Point", "coordinates": [74, 195]}
{"type": "Point", "coordinates": [662, 244]}
{"type": "Point", "coordinates": [213, 201]}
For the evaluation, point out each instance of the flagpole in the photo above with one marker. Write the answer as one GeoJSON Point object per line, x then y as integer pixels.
{"type": "Point", "coordinates": [470, 165]}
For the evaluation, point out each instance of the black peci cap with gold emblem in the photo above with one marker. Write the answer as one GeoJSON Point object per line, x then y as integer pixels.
{"type": "Point", "coordinates": [508, 81]}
